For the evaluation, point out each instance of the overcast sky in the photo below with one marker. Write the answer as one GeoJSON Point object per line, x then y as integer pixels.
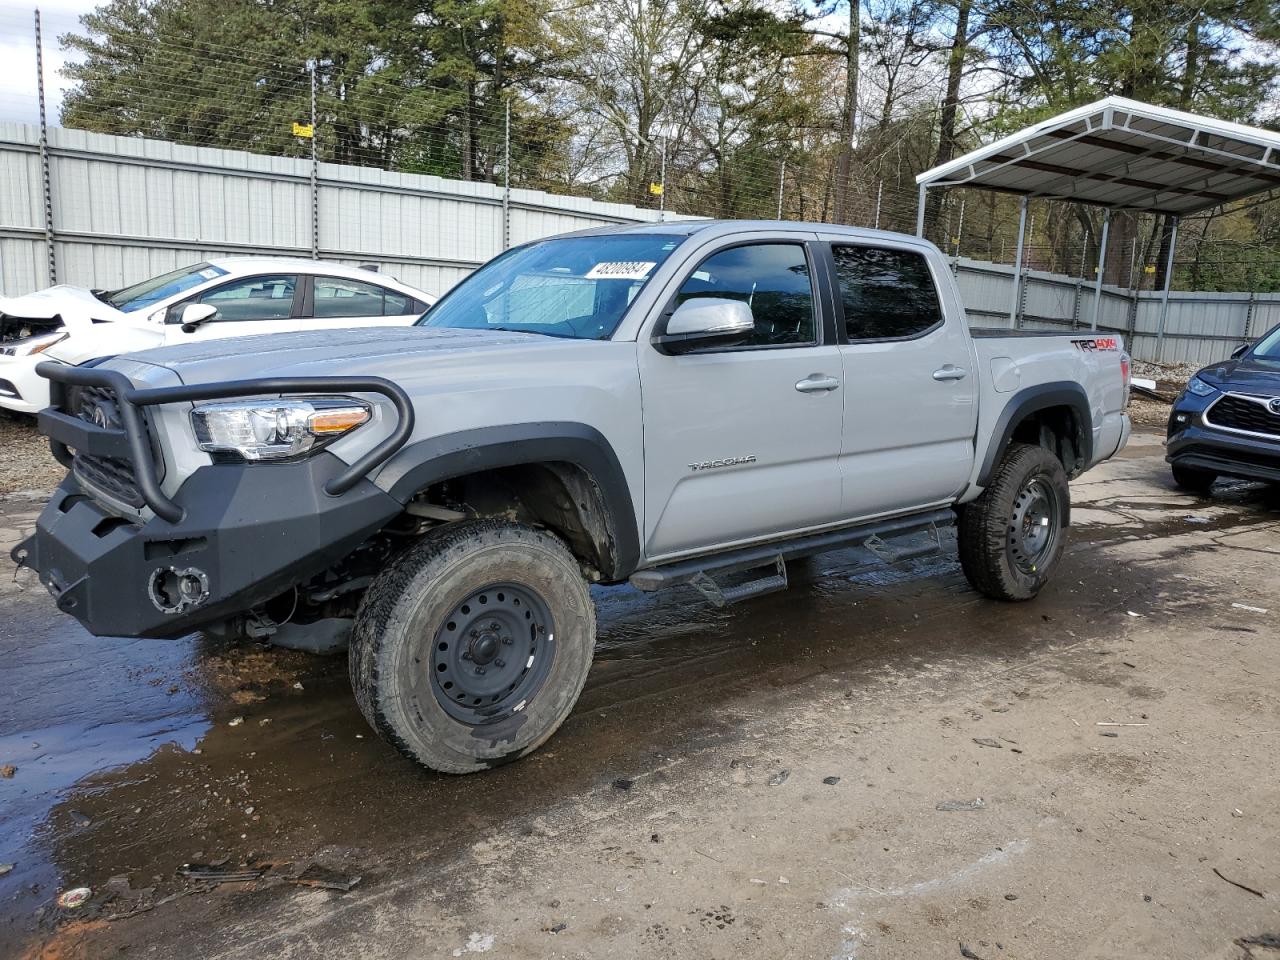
{"type": "Point", "coordinates": [18, 54]}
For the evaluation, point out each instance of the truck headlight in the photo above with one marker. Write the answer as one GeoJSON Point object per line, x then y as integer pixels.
{"type": "Point", "coordinates": [275, 429]}
{"type": "Point", "coordinates": [1199, 387]}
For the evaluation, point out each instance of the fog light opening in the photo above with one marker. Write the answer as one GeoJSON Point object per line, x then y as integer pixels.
{"type": "Point", "coordinates": [176, 590]}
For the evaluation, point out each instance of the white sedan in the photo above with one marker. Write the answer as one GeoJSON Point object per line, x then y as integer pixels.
{"type": "Point", "coordinates": [231, 297]}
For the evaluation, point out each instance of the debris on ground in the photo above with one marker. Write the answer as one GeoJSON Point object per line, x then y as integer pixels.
{"type": "Point", "coordinates": [1269, 941]}
{"type": "Point", "coordinates": [960, 806]}
{"type": "Point", "coordinates": [622, 783]}
{"type": "Point", "coordinates": [1011, 897]}
{"type": "Point", "coordinates": [779, 778]}
{"type": "Point", "coordinates": [1195, 518]}
{"type": "Point", "coordinates": [79, 818]}
{"type": "Point", "coordinates": [235, 721]}
{"type": "Point", "coordinates": [830, 781]}
{"type": "Point", "coordinates": [1237, 883]}
{"type": "Point", "coordinates": [74, 898]}
{"type": "Point", "coordinates": [6, 868]}
{"type": "Point", "coordinates": [558, 928]}
{"type": "Point", "coordinates": [8, 770]}
{"type": "Point", "coordinates": [1248, 609]}
{"type": "Point", "coordinates": [217, 873]}
{"type": "Point", "coordinates": [968, 954]}
{"type": "Point", "coordinates": [1108, 733]}
{"type": "Point", "coordinates": [988, 742]}
{"type": "Point", "coordinates": [325, 879]}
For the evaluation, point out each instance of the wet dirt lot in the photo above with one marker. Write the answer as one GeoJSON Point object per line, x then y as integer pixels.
{"type": "Point", "coordinates": [760, 781]}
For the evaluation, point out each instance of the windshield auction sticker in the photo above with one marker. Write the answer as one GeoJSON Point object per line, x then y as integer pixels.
{"type": "Point", "coordinates": [621, 270]}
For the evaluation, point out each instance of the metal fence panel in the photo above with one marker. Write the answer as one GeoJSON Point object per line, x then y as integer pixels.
{"type": "Point", "coordinates": [126, 208]}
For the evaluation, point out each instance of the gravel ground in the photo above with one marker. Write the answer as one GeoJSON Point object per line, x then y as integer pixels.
{"type": "Point", "coordinates": [1170, 379]}
{"type": "Point", "coordinates": [27, 464]}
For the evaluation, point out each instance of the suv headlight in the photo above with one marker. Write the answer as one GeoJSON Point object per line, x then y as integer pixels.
{"type": "Point", "coordinates": [276, 429]}
{"type": "Point", "coordinates": [1199, 387]}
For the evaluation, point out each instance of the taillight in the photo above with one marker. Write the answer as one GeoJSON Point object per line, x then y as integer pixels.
{"type": "Point", "coordinates": [1125, 375]}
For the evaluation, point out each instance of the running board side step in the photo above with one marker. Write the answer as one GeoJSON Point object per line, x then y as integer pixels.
{"type": "Point", "coordinates": [873, 537]}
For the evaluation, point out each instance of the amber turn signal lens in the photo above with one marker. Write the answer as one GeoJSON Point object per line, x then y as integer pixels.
{"type": "Point", "coordinates": [326, 423]}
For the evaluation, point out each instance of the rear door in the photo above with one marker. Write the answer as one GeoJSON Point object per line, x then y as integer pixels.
{"type": "Point", "coordinates": [741, 442]}
{"type": "Point", "coordinates": [910, 396]}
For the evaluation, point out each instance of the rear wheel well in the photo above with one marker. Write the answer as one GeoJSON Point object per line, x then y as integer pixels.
{"type": "Point", "coordinates": [559, 495]}
{"type": "Point", "coordinates": [1057, 429]}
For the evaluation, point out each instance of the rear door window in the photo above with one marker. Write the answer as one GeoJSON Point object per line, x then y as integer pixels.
{"type": "Point", "coordinates": [886, 294]}
{"type": "Point", "coordinates": [338, 297]}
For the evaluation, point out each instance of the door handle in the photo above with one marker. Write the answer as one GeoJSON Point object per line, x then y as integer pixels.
{"type": "Point", "coordinates": [817, 383]}
{"type": "Point", "coordinates": [950, 372]}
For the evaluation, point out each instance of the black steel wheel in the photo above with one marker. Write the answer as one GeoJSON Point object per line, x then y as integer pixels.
{"type": "Point", "coordinates": [472, 647]}
{"type": "Point", "coordinates": [1011, 537]}
{"type": "Point", "coordinates": [1035, 526]}
{"type": "Point", "coordinates": [492, 653]}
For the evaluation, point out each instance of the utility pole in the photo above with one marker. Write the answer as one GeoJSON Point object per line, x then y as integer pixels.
{"type": "Point", "coordinates": [662, 183]}
{"type": "Point", "coordinates": [44, 157]}
{"type": "Point", "coordinates": [506, 179]}
{"type": "Point", "coordinates": [315, 171]}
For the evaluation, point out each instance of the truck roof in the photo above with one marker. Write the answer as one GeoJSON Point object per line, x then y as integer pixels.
{"type": "Point", "coordinates": [721, 227]}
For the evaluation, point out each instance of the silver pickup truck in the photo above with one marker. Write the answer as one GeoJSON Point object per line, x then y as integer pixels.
{"type": "Point", "coordinates": [690, 403]}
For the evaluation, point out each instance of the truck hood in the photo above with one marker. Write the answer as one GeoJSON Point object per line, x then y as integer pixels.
{"type": "Point", "coordinates": [368, 351]}
{"type": "Point", "coordinates": [75, 307]}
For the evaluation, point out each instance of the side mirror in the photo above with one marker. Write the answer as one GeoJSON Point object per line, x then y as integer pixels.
{"type": "Point", "coordinates": [1239, 351]}
{"type": "Point", "coordinates": [194, 314]}
{"type": "Point", "coordinates": [706, 322]}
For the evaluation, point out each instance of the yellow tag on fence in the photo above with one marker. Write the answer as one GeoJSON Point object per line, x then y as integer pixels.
{"type": "Point", "coordinates": [304, 130]}
{"type": "Point", "coordinates": [655, 189]}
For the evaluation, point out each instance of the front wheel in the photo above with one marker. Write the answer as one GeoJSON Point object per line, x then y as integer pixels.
{"type": "Point", "coordinates": [471, 648]}
{"type": "Point", "coordinates": [1193, 479]}
{"type": "Point", "coordinates": [1011, 537]}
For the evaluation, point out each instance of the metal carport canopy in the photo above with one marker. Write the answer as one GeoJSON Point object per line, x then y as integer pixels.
{"type": "Point", "coordinates": [1121, 155]}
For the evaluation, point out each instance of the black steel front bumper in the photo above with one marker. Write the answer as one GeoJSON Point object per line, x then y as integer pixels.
{"type": "Point", "coordinates": [233, 536]}
{"type": "Point", "coordinates": [248, 533]}
{"type": "Point", "coordinates": [1226, 454]}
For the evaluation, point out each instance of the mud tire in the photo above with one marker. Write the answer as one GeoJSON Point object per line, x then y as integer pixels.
{"type": "Point", "coordinates": [404, 609]}
{"type": "Point", "coordinates": [986, 530]}
{"type": "Point", "coordinates": [1193, 480]}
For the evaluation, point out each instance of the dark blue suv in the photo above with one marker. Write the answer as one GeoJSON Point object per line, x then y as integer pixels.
{"type": "Point", "coordinates": [1226, 423]}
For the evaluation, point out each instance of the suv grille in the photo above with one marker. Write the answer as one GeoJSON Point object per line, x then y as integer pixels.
{"type": "Point", "coordinates": [111, 476]}
{"type": "Point", "coordinates": [1236, 413]}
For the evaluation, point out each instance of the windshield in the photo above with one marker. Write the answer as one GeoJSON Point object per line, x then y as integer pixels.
{"type": "Point", "coordinates": [1268, 348]}
{"type": "Point", "coordinates": [142, 295]}
{"type": "Point", "coordinates": [577, 287]}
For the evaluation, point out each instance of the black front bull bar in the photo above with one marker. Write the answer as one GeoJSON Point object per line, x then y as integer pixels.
{"type": "Point", "coordinates": [67, 431]}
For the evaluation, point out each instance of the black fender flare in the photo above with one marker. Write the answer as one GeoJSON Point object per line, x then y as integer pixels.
{"type": "Point", "coordinates": [430, 461]}
{"type": "Point", "coordinates": [1030, 400]}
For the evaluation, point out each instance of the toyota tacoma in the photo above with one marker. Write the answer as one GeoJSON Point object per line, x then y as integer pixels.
{"type": "Point", "coordinates": [693, 403]}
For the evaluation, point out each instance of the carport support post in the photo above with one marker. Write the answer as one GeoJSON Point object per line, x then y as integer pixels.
{"type": "Point", "coordinates": [919, 211]}
{"type": "Point", "coordinates": [1164, 296]}
{"type": "Point", "coordinates": [1102, 262]}
{"type": "Point", "coordinates": [1017, 264]}
{"type": "Point", "coordinates": [506, 178]}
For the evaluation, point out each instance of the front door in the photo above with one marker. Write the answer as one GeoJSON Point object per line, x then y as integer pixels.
{"type": "Point", "coordinates": [741, 442]}
{"type": "Point", "coordinates": [246, 306]}
{"type": "Point", "coordinates": [910, 397]}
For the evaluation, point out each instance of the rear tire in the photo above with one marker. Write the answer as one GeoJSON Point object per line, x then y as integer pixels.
{"type": "Point", "coordinates": [1012, 536]}
{"type": "Point", "coordinates": [1193, 479]}
{"type": "Point", "coordinates": [473, 646]}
